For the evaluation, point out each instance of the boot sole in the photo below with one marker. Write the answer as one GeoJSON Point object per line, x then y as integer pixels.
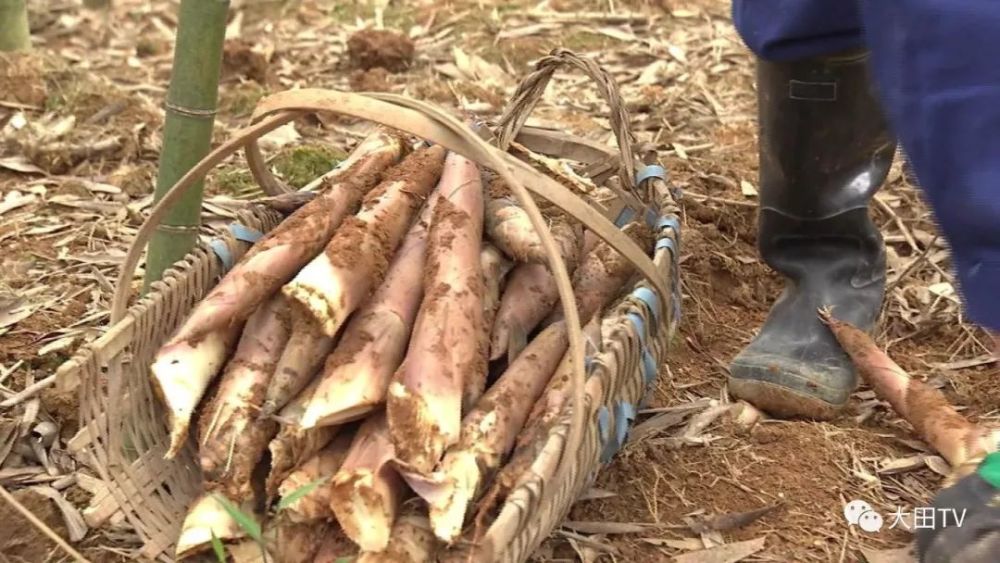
{"type": "Point", "coordinates": [780, 401]}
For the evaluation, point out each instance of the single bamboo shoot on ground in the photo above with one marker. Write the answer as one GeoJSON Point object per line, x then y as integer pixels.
{"type": "Point", "coordinates": [489, 432]}
{"type": "Point", "coordinates": [315, 504]}
{"type": "Point", "coordinates": [335, 283]}
{"type": "Point", "coordinates": [307, 349]}
{"type": "Point", "coordinates": [412, 541]}
{"type": "Point", "coordinates": [367, 491]}
{"type": "Point", "coordinates": [205, 518]}
{"type": "Point", "coordinates": [935, 420]}
{"type": "Point", "coordinates": [183, 369]}
{"type": "Point", "coordinates": [231, 436]}
{"type": "Point", "coordinates": [356, 375]}
{"type": "Point", "coordinates": [444, 365]}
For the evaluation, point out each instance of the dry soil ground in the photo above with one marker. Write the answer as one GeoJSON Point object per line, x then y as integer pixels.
{"type": "Point", "coordinates": [80, 129]}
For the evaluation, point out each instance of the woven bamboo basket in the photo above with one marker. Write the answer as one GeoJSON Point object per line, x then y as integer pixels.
{"type": "Point", "coordinates": [124, 435]}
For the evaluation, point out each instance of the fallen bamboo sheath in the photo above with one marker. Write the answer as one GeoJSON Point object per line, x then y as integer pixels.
{"type": "Point", "coordinates": [231, 437]}
{"type": "Point", "coordinates": [367, 490]}
{"type": "Point", "coordinates": [357, 374]}
{"type": "Point", "coordinates": [335, 283]}
{"type": "Point", "coordinates": [206, 517]}
{"type": "Point", "coordinates": [305, 352]}
{"type": "Point", "coordinates": [444, 368]}
{"type": "Point", "coordinates": [185, 366]}
{"type": "Point", "coordinates": [411, 541]}
{"type": "Point", "coordinates": [315, 504]}
{"type": "Point", "coordinates": [488, 433]}
{"type": "Point", "coordinates": [951, 434]}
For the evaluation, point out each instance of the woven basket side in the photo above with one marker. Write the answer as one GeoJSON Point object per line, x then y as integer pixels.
{"type": "Point", "coordinates": [634, 336]}
{"type": "Point", "coordinates": [126, 422]}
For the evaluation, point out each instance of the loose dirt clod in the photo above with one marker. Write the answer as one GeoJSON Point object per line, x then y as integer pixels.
{"type": "Point", "coordinates": [370, 48]}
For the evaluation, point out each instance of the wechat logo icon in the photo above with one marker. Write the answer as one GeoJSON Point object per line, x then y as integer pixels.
{"type": "Point", "coordinates": [861, 514]}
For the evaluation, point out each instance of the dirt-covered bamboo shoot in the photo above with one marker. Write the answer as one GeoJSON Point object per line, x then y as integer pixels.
{"type": "Point", "coordinates": [356, 376]}
{"type": "Point", "coordinates": [206, 517]}
{"type": "Point", "coordinates": [367, 490]}
{"type": "Point", "coordinates": [444, 365]}
{"type": "Point", "coordinates": [412, 540]}
{"type": "Point", "coordinates": [308, 347]}
{"type": "Point", "coordinates": [489, 432]}
{"type": "Point", "coordinates": [231, 436]}
{"type": "Point", "coordinates": [316, 476]}
{"type": "Point", "coordinates": [956, 438]}
{"type": "Point", "coordinates": [336, 282]}
{"type": "Point", "coordinates": [183, 369]}
{"type": "Point", "coordinates": [291, 448]}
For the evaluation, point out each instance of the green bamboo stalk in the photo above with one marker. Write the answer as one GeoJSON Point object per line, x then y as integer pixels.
{"type": "Point", "coordinates": [187, 131]}
{"type": "Point", "coordinates": [14, 34]}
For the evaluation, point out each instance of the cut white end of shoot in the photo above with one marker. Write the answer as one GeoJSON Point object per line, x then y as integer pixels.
{"type": "Point", "coordinates": [205, 518]}
{"type": "Point", "coordinates": [181, 373]}
{"type": "Point", "coordinates": [462, 478]}
{"type": "Point", "coordinates": [364, 508]}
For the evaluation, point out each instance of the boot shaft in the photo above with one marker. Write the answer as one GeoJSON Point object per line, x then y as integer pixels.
{"type": "Point", "coordinates": [824, 144]}
{"type": "Point", "coordinates": [825, 149]}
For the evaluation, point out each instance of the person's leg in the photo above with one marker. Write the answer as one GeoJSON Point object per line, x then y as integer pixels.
{"type": "Point", "coordinates": [793, 30]}
{"type": "Point", "coordinates": [824, 151]}
{"type": "Point", "coordinates": [937, 68]}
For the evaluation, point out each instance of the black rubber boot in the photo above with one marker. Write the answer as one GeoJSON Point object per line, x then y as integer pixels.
{"type": "Point", "coordinates": [824, 152]}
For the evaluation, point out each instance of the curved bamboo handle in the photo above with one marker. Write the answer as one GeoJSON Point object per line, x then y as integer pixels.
{"type": "Point", "coordinates": [530, 91]}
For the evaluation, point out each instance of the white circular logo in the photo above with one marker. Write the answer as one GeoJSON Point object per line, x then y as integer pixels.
{"type": "Point", "coordinates": [854, 509]}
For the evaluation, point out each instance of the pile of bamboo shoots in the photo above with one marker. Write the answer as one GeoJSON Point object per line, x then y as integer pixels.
{"type": "Point", "coordinates": [382, 362]}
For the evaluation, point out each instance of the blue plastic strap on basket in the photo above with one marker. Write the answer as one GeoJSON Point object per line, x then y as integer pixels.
{"type": "Point", "coordinates": [604, 431]}
{"type": "Point", "coordinates": [624, 415]}
{"type": "Point", "coordinates": [651, 217]}
{"type": "Point", "coordinates": [245, 233]}
{"type": "Point", "coordinates": [588, 364]}
{"type": "Point", "coordinates": [222, 251]}
{"type": "Point", "coordinates": [648, 296]}
{"type": "Point", "coordinates": [640, 326]}
{"type": "Point", "coordinates": [667, 242]}
{"type": "Point", "coordinates": [624, 216]}
{"type": "Point", "coordinates": [650, 171]}
{"type": "Point", "coordinates": [670, 222]}
{"type": "Point", "coordinates": [648, 367]}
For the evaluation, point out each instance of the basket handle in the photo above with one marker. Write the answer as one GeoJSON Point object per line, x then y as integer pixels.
{"type": "Point", "coordinates": [530, 91]}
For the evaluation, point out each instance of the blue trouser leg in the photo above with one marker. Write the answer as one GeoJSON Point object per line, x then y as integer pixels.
{"type": "Point", "coordinates": [787, 30]}
{"type": "Point", "coordinates": [936, 67]}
